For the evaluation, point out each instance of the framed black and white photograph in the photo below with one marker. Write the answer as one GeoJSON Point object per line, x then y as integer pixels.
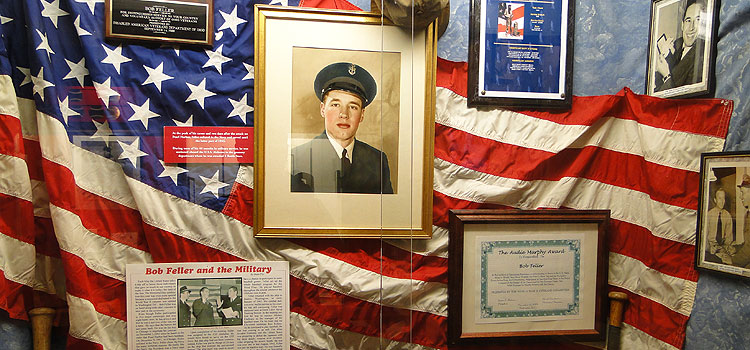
{"type": "Point", "coordinates": [525, 275]}
{"type": "Point", "coordinates": [344, 125]}
{"type": "Point", "coordinates": [723, 231]}
{"type": "Point", "coordinates": [521, 53]}
{"type": "Point", "coordinates": [681, 48]}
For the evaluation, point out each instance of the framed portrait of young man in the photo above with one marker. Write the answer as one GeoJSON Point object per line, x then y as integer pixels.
{"type": "Point", "coordinates": [723, 230]}
{"type": "Point", "coordinates": [344, 125]}
{"type": "Point", "coordinates": [681, 48]}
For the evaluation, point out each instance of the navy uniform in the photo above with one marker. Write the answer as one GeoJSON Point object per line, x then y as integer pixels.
{"type": "Point", "coordinates": [183, 310]}
{"type": "Point", "coordinates": [235, 305]}
{"type": "Point", "coordinates": [318, 167]}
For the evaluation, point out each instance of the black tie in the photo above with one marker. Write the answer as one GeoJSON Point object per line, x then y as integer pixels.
{"type": "Point", "coordinates": [345, 163]}
{"type": "Point", "coordinates": [719, 234]}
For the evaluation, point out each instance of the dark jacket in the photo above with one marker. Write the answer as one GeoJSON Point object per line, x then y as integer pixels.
{"type": "Point", "coordinates": [317, 168]}
{"type": "Point", "coordinates": [235, 305]}
{"type": "Point", "coordinates": [203, 312]}
{"type": "Point", "coordinates": [183, 314]}
{"type": "Point", "coordinates": [683, 70]}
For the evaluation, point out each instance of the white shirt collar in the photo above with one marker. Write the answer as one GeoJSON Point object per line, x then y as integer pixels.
{"type": "Point", "coordinates": [340, 149]}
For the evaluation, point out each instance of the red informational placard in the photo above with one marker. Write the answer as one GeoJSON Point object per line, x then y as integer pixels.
{"type": "Point", "coordinates": [208, 144]}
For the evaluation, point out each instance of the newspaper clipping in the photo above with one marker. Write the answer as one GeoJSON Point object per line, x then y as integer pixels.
{"type": "Point", "coordinates": [233, 305]}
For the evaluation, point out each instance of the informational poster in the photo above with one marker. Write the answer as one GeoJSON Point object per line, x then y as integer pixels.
{"type": "Point", "coordinates": [526, 279]}
{"type": "Point", "coordinates": [524, 53]}
{"type": "Point", "coordinates": [208, 144]}
{"type": "Point", "coordinates": [232, 305]}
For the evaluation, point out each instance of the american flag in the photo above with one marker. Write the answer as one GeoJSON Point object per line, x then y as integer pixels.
{"type": "Point", "coordinates": [83, 191]}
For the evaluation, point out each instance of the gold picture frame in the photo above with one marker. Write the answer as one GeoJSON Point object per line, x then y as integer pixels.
{"type": "Point", "coordinates": [292, 46]}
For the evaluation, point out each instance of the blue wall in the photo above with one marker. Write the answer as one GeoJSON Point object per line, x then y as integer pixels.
{"type": "Point", "coordinates": [611, 42]}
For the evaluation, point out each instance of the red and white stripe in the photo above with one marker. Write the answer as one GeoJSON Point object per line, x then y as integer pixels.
{"type": "Point", "coordinates": [104, 220]}
{"type": "Point", "coordinates": [30, 268]}
{"type": "Point", "coordinates": [635, 155]}
{"type": "Point", "coordinates": [632, 154]}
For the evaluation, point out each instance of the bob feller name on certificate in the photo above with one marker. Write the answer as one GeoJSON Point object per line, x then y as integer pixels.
{"type": "Point", "coordinates": [529, 279]}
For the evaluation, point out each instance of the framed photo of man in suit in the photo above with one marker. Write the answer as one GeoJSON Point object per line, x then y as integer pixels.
{"type": "Point", "coordinates": [345, 102]}
{"type": "Point", "coordinates": [344, 125]}
{"type": "Point", "coordinates": [681, 48]}
{"type": "Point", "coordinates": [723, 239]}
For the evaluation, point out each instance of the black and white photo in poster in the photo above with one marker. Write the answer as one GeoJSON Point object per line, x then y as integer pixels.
{"type": "Point", "coordinates": [209, 302]}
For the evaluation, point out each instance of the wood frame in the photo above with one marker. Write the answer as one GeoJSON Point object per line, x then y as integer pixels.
{"type": "Point", "coordinates": [730, 173]}
{"type": "Point", "coordinates": [468, 227]}
{"type": "Point", "coordinates": [666, 32]}
{"type": "Point", "coordinates": [505, 67]}
{"type": "Point", "coordinates": [405, 214]}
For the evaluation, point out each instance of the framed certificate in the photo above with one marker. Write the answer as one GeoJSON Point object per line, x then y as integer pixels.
{"type": "Point", "coordinates": [344, 125]}
{"type": "Point", "coordinates": [521, 53]}
{"type": "Point", "coordinates": [524, 275]}
{"type": "Point", "coordinates": [723, 239]}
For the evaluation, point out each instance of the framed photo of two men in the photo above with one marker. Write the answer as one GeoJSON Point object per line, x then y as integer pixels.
{"type": "Point", "coordinates": [723, 239]}
{"type": "Point", "coordinates": [681, 48]}
{"type": "Point", "coordinates": [344, 125]}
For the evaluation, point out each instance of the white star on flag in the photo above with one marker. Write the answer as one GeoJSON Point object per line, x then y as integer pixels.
{"type": "Point", "coordinates": [4, 19]}
{"type": "Point", "coordinates": [44, 45]}
{"type": "Point", "coordinates": [188, 122]}
{"type": "Point", "coordinates": [142, 113]}
{"type": "Point", "coordinates": [77, 70]}
{"type": "Point", "coordinates": [65, 110]}
{"type": "Point", "coordinates": [79, 29]}
{"type": "Point", "coordinates": [199, 92]}
{"type": "Point", "coordinates": [40, 84]}
{"type": "Point", "coordinates": [280, 2]}
{"type": "Point", "coordinates": [231, 20]}
{"type": "Point", "coordinates": [131, 151]}
{"type": "Point", "coordinates": [213, 184]}
{"type": "Point", "coordinates": [52, 10]}
{"type": "Point", "coordinates": [103, 131]}
{"type": "Point", "coordinates": [216, 58]}
{"type": "Point", "coordinates": [104, 91]}
{"type": "Point", "coordinates": [156, 76]}
{"type": "Point", "coordinates": [250, 71]}
{"type": "Point", "coordinates": [171, 171]}
{"type": "Point", "coordinates": [26, 76]}
{"type": "Point", "coordinates": [91, 4]}
{"type": "Point", "coordinates": [240, 108]}
{"type": "Point", "coordinates": [115, 57]}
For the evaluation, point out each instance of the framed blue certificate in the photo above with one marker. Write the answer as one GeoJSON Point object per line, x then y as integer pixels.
{"type": "Point", "coordinates": [521, 53]}
{"type": "Point", "coordinates": [527, 275]}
